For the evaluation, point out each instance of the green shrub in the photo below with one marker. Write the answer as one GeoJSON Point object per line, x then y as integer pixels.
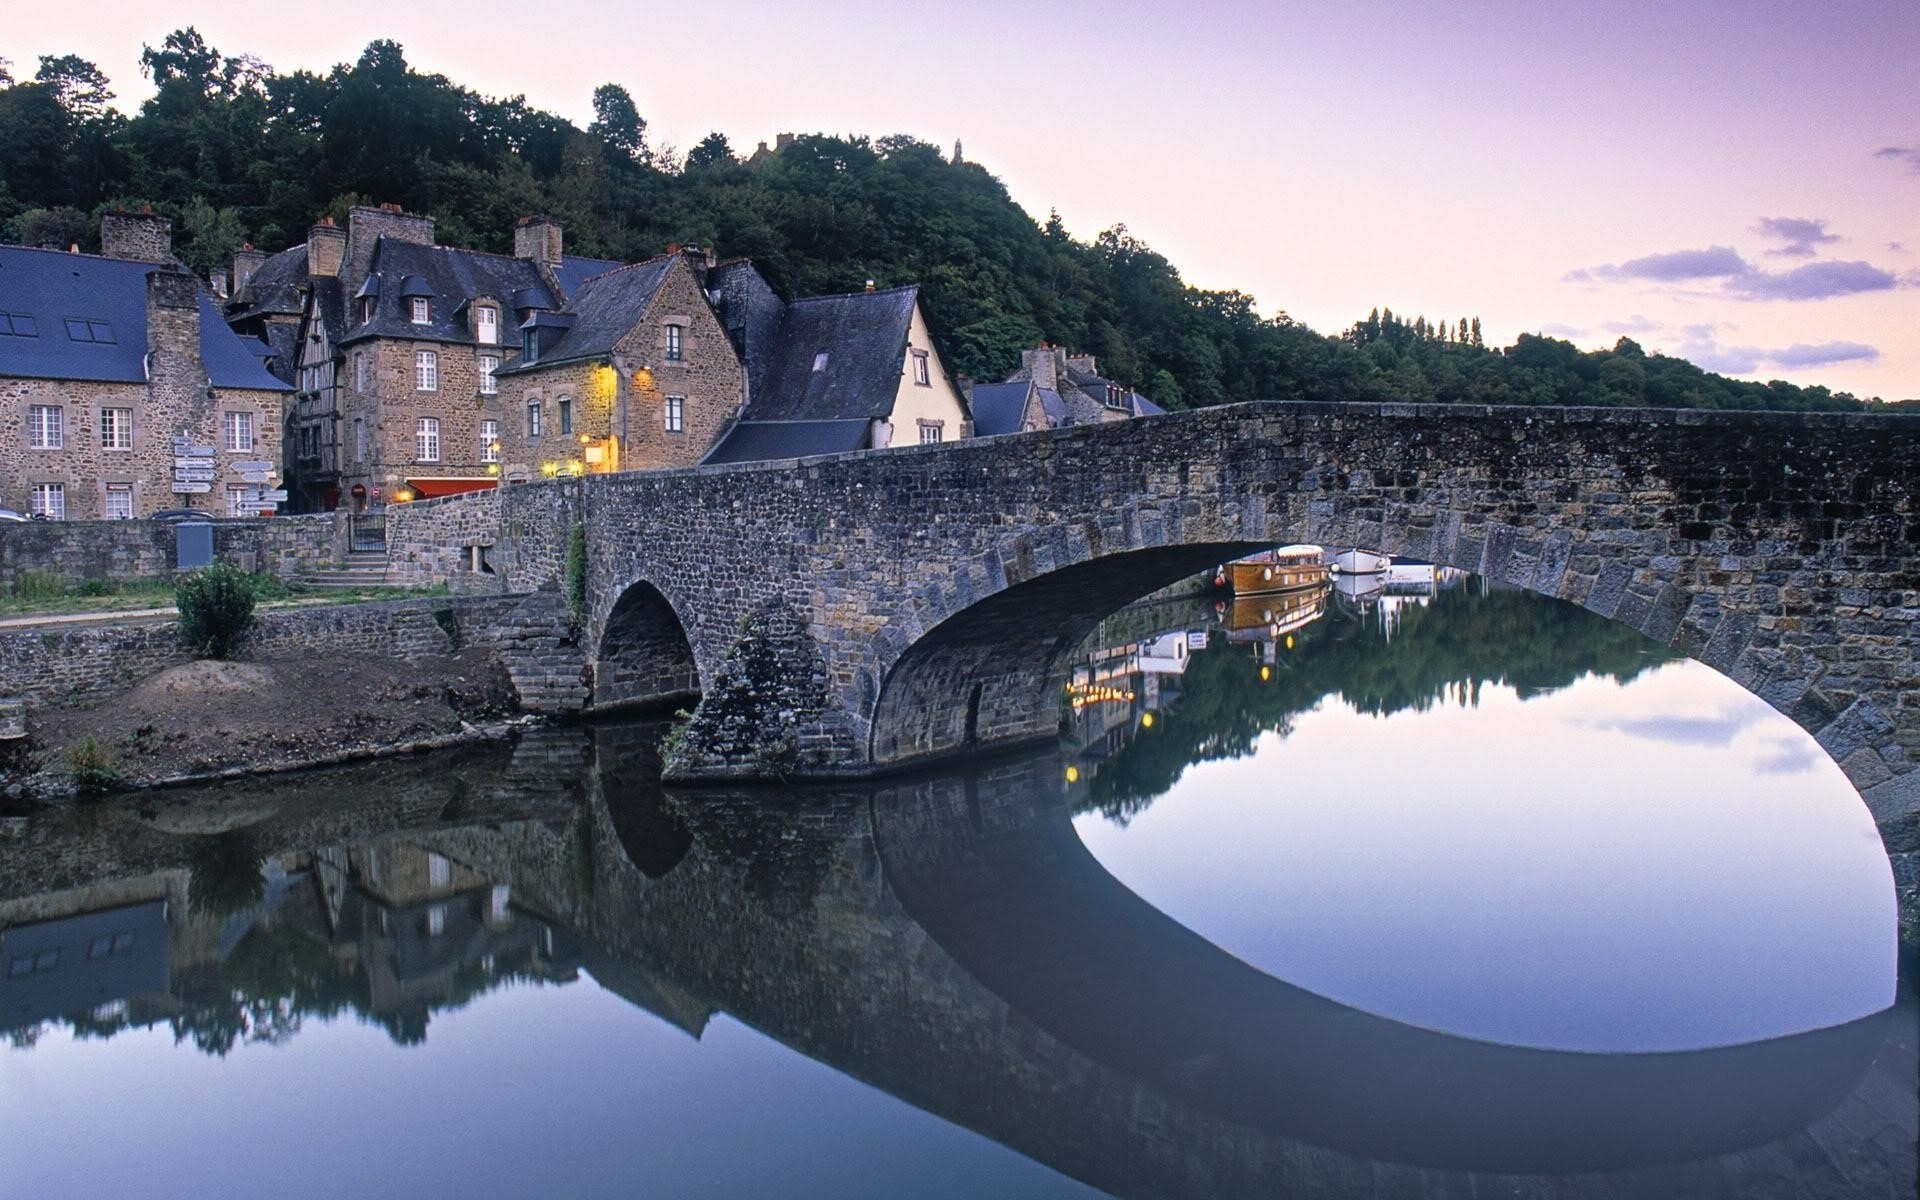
{"type": "Point", "coordinates": [97, 587]}
{"type": "Point", "coordinates": [94, 770]}
{"type": "Point", "coordinates": [38, 585]}
{"type": "Point", "coordinates": [216, 608]}
{"type": "Point", "coordinates": [577, 570]}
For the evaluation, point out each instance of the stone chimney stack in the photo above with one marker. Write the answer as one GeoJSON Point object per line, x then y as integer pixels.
{"type": "Point", "coordinates": [141, 236]}
{"type": "Point", "coordinates": [1042, 365]}
{"type": "Point", "coordinates": [217, 281]}
{"type": "Point", "coordinates": [176, 374]}
{"type": "Point", "coordinates": [1082, 362]}
{"type": "Point", "coordinates": [540, 239]}
{"type": "Point", "coordinates": [365, 228]}
{"type": "Point", "coordinates": [246, 260]}
{"type": "Point", "coordinates": [326, 249]}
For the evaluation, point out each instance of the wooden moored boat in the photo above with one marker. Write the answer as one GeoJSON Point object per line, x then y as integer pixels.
{"type": "Point", "coordinates": [1288, 569]}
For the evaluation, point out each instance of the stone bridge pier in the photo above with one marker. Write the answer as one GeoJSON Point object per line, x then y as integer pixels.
{"type": "Point", "coordinates": [865, 612]}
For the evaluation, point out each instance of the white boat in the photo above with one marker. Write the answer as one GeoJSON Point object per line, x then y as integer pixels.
{"type": "Point", "coordinates": [1358, 562]}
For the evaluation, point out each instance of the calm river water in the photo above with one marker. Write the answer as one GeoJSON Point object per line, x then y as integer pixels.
{"type": "Point", "coordinates": [1448, 893]}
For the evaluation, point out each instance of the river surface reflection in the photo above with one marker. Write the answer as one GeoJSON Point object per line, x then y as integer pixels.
{"type": "Point", "coordinates": [1442, 893]}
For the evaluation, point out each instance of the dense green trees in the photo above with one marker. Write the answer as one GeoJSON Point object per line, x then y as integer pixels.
{"type": "Point", "coordinates": [234, 152]}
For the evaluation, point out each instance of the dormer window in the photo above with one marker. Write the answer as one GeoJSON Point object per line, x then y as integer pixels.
{"type": "Point", "coordinates": [674, 352]}
{"type": "Point", "coordinates": [366, 309]}
{"type": "Point", "coordinates": [486, 325]}
{"type": "Point", "coordinates": [1116, 396]}
{"type": "Point", "coordinates": [421, 312]}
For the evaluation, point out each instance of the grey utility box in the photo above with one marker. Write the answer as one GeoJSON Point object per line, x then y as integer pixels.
{"type": "Point", "coordinates": [193, 545]}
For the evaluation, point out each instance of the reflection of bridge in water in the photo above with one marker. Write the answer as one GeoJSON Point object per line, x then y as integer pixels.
{"type": "Point", "coordinates": [951, 942]}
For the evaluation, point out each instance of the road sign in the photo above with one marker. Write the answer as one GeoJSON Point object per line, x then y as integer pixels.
{"type": "Point", "coordinates": [257, 476]}
{"type": "Point", "coordinates": [189, 474]}
{"type": "Point", "coordinates": [182, 488]}
{"type": "Point", "coordinates": [279, 497]}
{"type": "Point", "coordinates": [252, 464]}
{"type": "Point", "coordinates": [185, 451]}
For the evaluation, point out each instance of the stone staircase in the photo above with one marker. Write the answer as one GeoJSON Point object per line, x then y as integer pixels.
{"type": "Point", "coordinates": [362, 569]}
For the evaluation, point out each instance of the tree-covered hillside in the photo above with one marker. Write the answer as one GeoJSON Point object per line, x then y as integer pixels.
{"type": "Point", "coordinates": [236, 152]}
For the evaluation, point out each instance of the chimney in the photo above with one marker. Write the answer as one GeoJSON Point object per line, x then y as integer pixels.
{"type": "Point", "coordinates": [246, 260]}
{"type": "Point", "coordinates": [869, 285]}
{"type": "Point", "coordinates": [366, 226]}
{"type": "Point", "coordinates": [540, 239]}
{"type": "Point", "coordinates": [141, 236]}
{"type": "Point", "coordinates": [1082, 362]}
{"type": "Point", "coordinates": [781, 141]}
{"type": "Point", "coordinates": [1042, 365]}
{"type": "Point", "coordinates": [176, 376]}
{"type": "Point", "coordinates": [326, 249]}
{"type": "Point", "coordinates": [217, 281]}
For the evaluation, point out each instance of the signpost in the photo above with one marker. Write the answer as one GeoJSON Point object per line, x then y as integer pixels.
{"type": "Point", "coordinates": [183, 488]}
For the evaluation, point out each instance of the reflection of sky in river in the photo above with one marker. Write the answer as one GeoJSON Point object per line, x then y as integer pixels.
{"type": "Point", "coordinates": [1665, 864]}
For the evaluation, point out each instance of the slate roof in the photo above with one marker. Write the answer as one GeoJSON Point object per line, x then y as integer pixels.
{"type": "Point", "coordinates": [274, 287]}
{"type": "Point", "coordinates": [453, 278]}
{"type": "Point", "coordinates": [1054, 407]}
{"type": "Point", "coordinates": [605, 309]}
{"type": "Point", "coordinates": [51, 288]}
{"type": "Point", "coordinates": [763, 441]}
{"type": "Point", "coordinates": [999, 407]}
{"type": "Point", "coordinates": [864, 336]}
{"type": "Point", "coordinates": [574, 271]}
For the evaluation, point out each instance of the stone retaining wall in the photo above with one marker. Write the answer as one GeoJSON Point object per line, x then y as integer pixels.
{"type": "Point", "coordinates": [79, 551]}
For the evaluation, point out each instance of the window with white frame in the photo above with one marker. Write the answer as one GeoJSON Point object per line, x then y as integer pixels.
{"type": "Point", "coordinates": [489, 441]}
{"type": "Point", "coordinates": [366, 309]}
{"type": "Point", "coordinates": [48, 500]}
{"type": "Point", "coordinates": [921, 374]}
{"type": "Point", "coordinates": [931, 432]}
{"type": "Point", "coordinates": [676, 416]}
{"type": "Point", "coordinates": [486, 325]}
{"type": "Point", "coordinates": [359, 439]}
{"type": "Point", "coordinates": [239, 496]}
{"type": "Point", "coordinates": [421, 313]}
{"type": "Point", "coordinates": [116, 429]}
{"type": "Point", "coordinates": [46, 426]}
{"type": "Point", "coordinates": [236, 431]}
{"type": "Point", "coordinates": [119, 506]}
{"type": "Point", "coordinates": [566, 414]}
{"type": "Point", "coordinates": [426, 371]}
{"type": "Point", "coordinates": [359, 370]}
{"type": "Point", "coordinates": [533, 418]}
{"type": "Point", "coordinates": [674, 351]}
{"type": "Point", "coordinates": [489, 363]}
{"type": "Point", "coordinates": [426, 439]}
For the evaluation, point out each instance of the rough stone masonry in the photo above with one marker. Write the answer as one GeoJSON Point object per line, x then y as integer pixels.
{"type": "Point", "coordinates": [935, 587]}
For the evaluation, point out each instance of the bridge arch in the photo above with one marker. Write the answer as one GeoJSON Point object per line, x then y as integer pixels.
{"type": "Point", "coordinates": [643, 654]}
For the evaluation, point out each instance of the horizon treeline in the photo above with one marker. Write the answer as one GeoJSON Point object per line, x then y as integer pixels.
{"type": "Point", "coordinates": [235, 152]}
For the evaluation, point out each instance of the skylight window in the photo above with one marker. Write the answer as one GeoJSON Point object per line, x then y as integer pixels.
{"type": "Point", "coordinates": [81, 330]}
{"type": "Point", "coordinates": [820, 361]}
{"type": "Point", "coordinates": [17, 325]}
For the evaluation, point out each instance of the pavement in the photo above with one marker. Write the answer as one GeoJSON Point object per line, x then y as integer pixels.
{"type": "Point", "coordinates": [28, 622]}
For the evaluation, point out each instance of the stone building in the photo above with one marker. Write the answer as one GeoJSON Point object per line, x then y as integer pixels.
{"type": "Point", "coordinates": [1069, 390]}
{"type": "Point", "coordinates": [636, 373]}
{"type": "Point", "coordinates": [115, 369]}
{"type": "Point", "coordinates": [827, 374]}
{"type": "Point", "coordinates": [396, 348]}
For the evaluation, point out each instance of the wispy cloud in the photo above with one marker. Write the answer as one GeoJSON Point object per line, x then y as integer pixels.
{"type": "Point", "coordinates": [1700, 345]}
{"type": "Point", "coordinates": [1679, 266]}
{"type": "Point", "coordinates": [1563, 331]}
{"type": "Point", "coordinates": [1821, 354]}
{"type": "Point", "coordinates": [1634, 324]}
{"type": "Point", "coordinates": [1799, 235]}
{"type": "Point", "coordinates": [1909, 155]}
{"type": "Point", "coordinates": [1814, 281]}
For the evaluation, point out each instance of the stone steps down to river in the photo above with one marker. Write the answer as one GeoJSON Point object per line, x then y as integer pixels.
{"type": "Point", "coordinates": [540, 649]}
{"type": "Point", "coordinates": [363, 569]}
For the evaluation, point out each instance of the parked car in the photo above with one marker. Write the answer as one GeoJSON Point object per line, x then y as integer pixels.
{"type": "Point", "coordinates": [181, 514]}
{"type": "Point", "coordinates": [7, 514]}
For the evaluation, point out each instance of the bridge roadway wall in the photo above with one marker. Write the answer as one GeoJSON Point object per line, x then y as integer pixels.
{"type": "Point", "coordinates": [858, 612]}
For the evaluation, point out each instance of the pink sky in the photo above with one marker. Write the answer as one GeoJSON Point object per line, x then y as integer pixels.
{"type": "Point", "coordinates": [1572, 168]}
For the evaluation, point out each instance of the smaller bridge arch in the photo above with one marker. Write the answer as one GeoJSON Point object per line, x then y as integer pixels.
{"type": "Point", "coordinates": [643, 655]}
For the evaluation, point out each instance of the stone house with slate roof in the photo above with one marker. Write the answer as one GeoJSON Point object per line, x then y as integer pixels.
{"type": "Point", "coordinates": [112, 363]}
{"type": "Point", "coordinates": [398, 344]}
{"type": "Point", "coordinates": [636, 373]}
{"type": "Point", "coordinates": [1072, 389]}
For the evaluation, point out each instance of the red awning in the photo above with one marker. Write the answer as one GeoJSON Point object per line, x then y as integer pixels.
{"type": "Point", "coordinates": [427, 489]}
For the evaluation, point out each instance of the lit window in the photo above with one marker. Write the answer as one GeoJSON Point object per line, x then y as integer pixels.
{"type": "Point", "coordinates": [820, 361]}
{"type": "Point", "coordinates": [359, 439]}
{"type": "Point", "coordinates": [46, 427]}
{"type": "Point", "coordinates": [426, 439]}
{"type": "Point", "coordinates": [421, 312]}
{"type": "Point", "coordinates": [426, 371]}
{"type": "Point", "coordinates": [359, 371]}
{"type": "Point", "coordinates": [930, 432]}
{"type": "Point", "coordinates": [533, 418]}
{"type": "Point", "coordinates": [921, 374]}
{"type": "Point", "coordinates": [119, 502]}
{"type": "Point", "coordinates": [49, 500]}
{"type": "Point", "coordinates": [673, 343]}
{"type": "Point", "coordinates": [236, 431]}
{"type": "Point", "coordinates": [676, 414]}
{"type": "Point", "coordinates": [489, 363]}
{"type": "Point", "coordinates": [566, 414]}
{"type": "Point", "coordinates": [489, 441]}
{"type": "Point", "coordinates": [116, 429]}
{"type": "Point", "coordinates": [486, 325]}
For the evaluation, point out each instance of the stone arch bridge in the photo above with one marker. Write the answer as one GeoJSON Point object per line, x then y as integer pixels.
{"type": "Point", "coordinates": [859, 613]}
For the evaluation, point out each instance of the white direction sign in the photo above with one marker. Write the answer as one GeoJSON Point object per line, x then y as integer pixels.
{"type": "Point", "coordinates": [257, 476]}
{"type": "Point", "coordinates": [252, 464]}
{"type": "Point", "coordinates": [279, 497]}
{"type": "Point", "coordinates": [181, 450]}
{"type": "Point", "coordinates": [188, 473]}
{"type": "Point", "coordinates": [182, 488]}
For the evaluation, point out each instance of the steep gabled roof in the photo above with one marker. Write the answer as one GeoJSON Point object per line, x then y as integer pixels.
{"type": "Point", "coordinates": [574, 271]}
{"type": "Point", "coordinates": [604, 310]}
{"type": "Point", "coordinates": [863, 338]}
{"type": "Point", "coordinates": [765, 441]}
{"type": "Point", "coordinates": [274, 287]}
{"type": "Point", "coordinates": [80, 316]}
{"type": "Point", "coordinates": [1000, 407]}
{"type": "Point", "coordinates": [453, 279]}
